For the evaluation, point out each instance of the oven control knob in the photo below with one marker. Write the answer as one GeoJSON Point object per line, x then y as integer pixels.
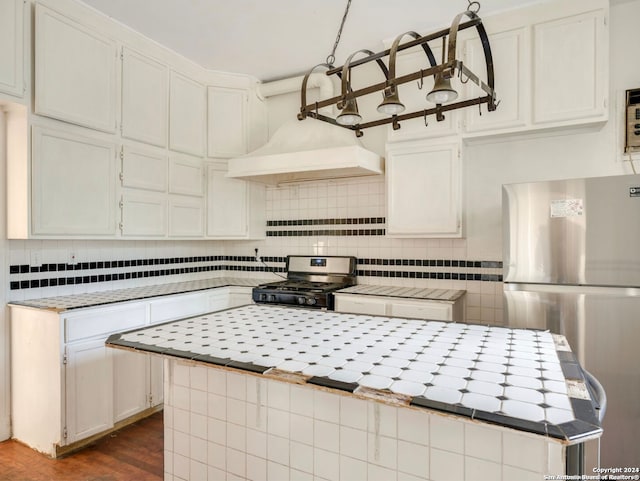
{"type": "Point", "coordinates": [271, 298]}
{"type": "Point", "coordinates": [311, 301]}
{"type": "Point", "coordinates": [301, 300]}
{"type": "Point", "coordinates": [263, 297]}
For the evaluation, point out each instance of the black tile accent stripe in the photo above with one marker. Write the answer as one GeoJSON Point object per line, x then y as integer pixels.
{"type": "Point", "coordinates": [325, 232]}
{"type": "Point", "coordinates": [342, 221]}
{"type": "Point", "coordinates": [335, 231]}
{"type": "Point", "coordinates": [67, 275]}
{"type": "Point", "coordinates": [72, 279]}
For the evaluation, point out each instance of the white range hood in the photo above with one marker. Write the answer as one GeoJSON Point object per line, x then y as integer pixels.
{"type": "Point", "coordinates": [307, 150]}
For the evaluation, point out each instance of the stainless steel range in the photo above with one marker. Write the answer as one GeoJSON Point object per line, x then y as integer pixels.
{"type": "Point", "coordinates": [311, 280]}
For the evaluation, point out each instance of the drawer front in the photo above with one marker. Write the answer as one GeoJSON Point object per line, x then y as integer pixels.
{"type": "Point", "coordinates": [360, 305]}
{"type": "Point", "coordinates": [436, 311]}
{"type": "Point", "coordinates": [104, 321]}
{"type": "Point", "coordinates": [178, 307]}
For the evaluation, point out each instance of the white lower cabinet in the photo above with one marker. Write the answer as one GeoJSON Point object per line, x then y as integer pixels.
{"type": "Point", "coordinates": [398, 307]}
{"type": "Point", "coordinates": [89, 383]}
{"type": "Point", "coordinates": [68, 387]}
{"type": "Point", "coordinates": [131, 392]}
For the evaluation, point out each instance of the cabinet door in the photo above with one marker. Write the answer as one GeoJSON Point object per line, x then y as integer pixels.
{"type": "Point", "coordinates": [222, 193]}
{"type": "Point", "coordinates": [570, 73]}
{"type": "Point", "coordinates": [437, 311]}
{"type": "Point", "coordinates": [75, 72]}
{"type": "Point", "coordinates": [144, 168]}
{"type": "Point", "coordinates": [187, 115]}
{"type": "Point", "coordinates": [156, 377]}
{"type": "Point", "coordinates": [89, 384]}
{"type": "Point", "coordinates": [423, 190]}
{"type": "Point", "coordinates": [144, 214]}
{"type": "Point", "coordinates": [186, 175]}
{"type": "Point", "coordinates": [360, 304]}
{"type": "Point", "coordinates": [227, 122]}
{"type": "Point", "coordinates": [512, 83]}
{"type": "Point", "coordinates": [186, 216]}
{"type": "Point", "coordinates": [73, 185]}
{"type": "Point", "coordinates": [12, 47]}
{"type": "Point", "coordinates": [130, 383]}
{"type": "Point", "coordinates": [145, 97]}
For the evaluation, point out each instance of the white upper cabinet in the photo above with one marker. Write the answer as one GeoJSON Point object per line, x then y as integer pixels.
{"type": "Point", "coordinates": [423, 190]}
{"type": "Point", "coordinates": [145, 97]}
{"type": "Point", "coordinates": [227, 122]}
{"type": "Point", "coordinates": [187, 115]}
{"type": "Point", "coordinates": [12, 47]}
{"type": "Point", "coordinates": [73, 185]}
{"type": "Point", "coordinates": [570, 68]}
{"type": "Point", "coordinates": [235, 207]}
{"type": "Point", "coordinates": [144, 214]}
{"type": "Point", "coordinates": [144, 168]}
{"type": "Point", "coordinates": [186, 216]}
{"type": "Point", "coordinates": [75, 72]}
{"type": "Point", "coordinates": [186, 175]}
{"type": "Point", "coordinates": [511, 72]}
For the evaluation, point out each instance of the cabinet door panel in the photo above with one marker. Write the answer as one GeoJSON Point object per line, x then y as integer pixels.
{"type": "Point", "coordinates": [73, 185]}
{"type": "Point", "coordinates": [99, 322]}
{"type": "Point", "coordinates": [145, 97]}
{"type": "Point", "coordinates": [130, 383]}
{"type": "Point", "coordinates": [423, 191]}
{"type": "Point", "coordinates": [227, 113]}
{"type": "Point", "coordinates": [144, 169]}
{"type": "Point", "coordinates": [176, 307]}
{"type": "Point", "coordinates": [156, 378]}
{"type": "Point", "coordinates": [567, 50]}
{"type": "Point", "coordinates": [186, 216]}
{"type": "Point", "coordinates": [75, 72]}
{"type": "Point", "coordinates": [223, 192]}
{"type": "Point", "coordinates": [89, 395]}
{"type": "Point", "coordinates": [11, 47]}
{"type": "Point", "coordinates": [144, 214]}
{"type": "Point", "coordinates": [422, 310]}
{"type": "Point", "coordinates": [187, 115]}
{"type": "Point", "coordinates": [511, 80]}
{"type": "Point", "coordinates": [186, 175]}
{"type": "Point", "coordinates": [360, 305]}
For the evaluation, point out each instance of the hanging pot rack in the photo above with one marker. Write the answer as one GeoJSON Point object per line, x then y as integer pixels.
{"type": "Point", "coordinates": [449, 68]}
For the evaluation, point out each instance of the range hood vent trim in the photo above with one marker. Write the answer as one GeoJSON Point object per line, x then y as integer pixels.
{"type": "Point", "coordinates": [305, 151]}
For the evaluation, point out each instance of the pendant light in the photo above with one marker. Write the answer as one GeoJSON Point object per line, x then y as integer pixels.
{"type": "Point", "coordinates": [349, 114]}
{"type": "Point", "coordinates": [391, 104]}
{"type": "Point", "coordinates": [442, 92]}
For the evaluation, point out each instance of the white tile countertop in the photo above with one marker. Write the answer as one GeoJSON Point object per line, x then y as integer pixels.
{"type": "Point", "coordinates": [89, 299]}
{"type": "Point", "coordinates": [404, 292]}
{"type": "Point", "coordinates": [520, 378]}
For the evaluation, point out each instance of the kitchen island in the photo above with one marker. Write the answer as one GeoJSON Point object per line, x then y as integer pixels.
{"type": "Point", "coordinates": [267, 392]}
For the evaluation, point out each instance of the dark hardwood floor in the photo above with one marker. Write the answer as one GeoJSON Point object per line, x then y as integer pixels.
{"type": "Point", "coordinates": [134, 453]}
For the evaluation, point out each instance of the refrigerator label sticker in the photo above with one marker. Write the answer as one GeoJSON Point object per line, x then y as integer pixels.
{"type": "Point", "coordinates": [566, 208]}
{"type": "Point", "coordinates": [634, 191]}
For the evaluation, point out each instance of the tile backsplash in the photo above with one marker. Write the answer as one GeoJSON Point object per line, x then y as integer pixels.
{"type": "Point", "coordinates": [341, 217]}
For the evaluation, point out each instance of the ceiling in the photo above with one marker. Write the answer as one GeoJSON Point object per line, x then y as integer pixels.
{"type": "Point", "coordinates": [272, 39]}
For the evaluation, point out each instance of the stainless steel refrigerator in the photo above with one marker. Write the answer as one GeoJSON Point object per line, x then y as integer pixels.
{"type": "Point", "coordinates": [572, 265]}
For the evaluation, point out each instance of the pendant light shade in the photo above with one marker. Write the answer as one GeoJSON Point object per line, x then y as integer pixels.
{"type": "Point", "coordinates": [442, 91]}
{"type": "Point", "coordinates": [391, 104]}
{"type": "Point", "coordinates": [349, 114]}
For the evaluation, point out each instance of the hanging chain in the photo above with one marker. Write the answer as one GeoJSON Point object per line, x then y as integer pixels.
{"type": "Point", "coordinates": [473, 6]}
{"type": "Point", "coordinates": [332, 56]}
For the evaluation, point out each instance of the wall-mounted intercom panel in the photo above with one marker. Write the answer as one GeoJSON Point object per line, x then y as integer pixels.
{"type": "Point", "coordinates": [632, 138]}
